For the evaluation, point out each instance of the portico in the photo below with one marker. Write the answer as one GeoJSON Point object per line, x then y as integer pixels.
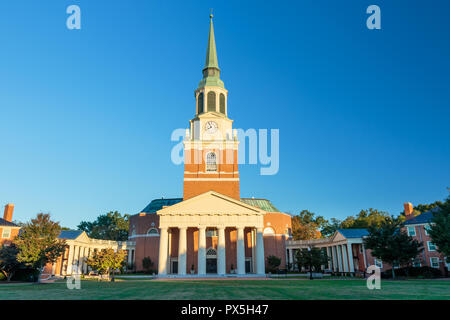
{"type": "Point", "coordinates": [221, 216]}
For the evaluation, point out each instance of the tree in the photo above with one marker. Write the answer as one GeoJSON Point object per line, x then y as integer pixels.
{"type": "Point", "coordinates": [38, 242]}
{"type": "Point", "coordinates": [331, 227]}
{"type": "Point", "coordinates": [311, 258]}
{"type": "Point", "coordinates": [273, 262]}
{"type": "Point", "coordinates": [440, 229]}
{"type": "Point", "coordinates": [110, 226]}
{"type": "Point", "coordinates": [147, 264]}
{"type": "Point", "coordinates": [306, 225]}
{"type": "Point", "coordinates": [8, 261]}
{"type": "Point", "coordinates": [391, 244]}
{"type": "Point", "coordinates": [106, 261]}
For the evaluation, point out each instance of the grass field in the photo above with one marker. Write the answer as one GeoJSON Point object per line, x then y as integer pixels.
{"type": "Point", "coordinates": [230, 289]}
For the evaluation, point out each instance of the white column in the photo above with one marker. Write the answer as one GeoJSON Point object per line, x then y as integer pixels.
{"type": "Point", "coordinates": [350, 257]}
{"type": "Point", "coordinates": [339, 256]}
{"type": "Point", "coordinates": [201, 263]}
{"type": "Point", "coordinates": [221, 251]}
{"type": "Point", "coordinates": [260, 264]}
{"type": "Point", "coordinates": [335, 259]}
{"type": "Point", "coordinates": [84, 264]}
{"type": "Point", "coordinates": [291, 259]}
{"type": "Point", "coordinates": [70, 259]}
{"type": "Point", "coordinates": [364, 255]}
{"type": "Point", "coordinates": [240, 252]}
{"type": "Point", "coordinates": [329, 258]}
{"type": "Point", "coordinates": [345, 258]}
{"type": "Point", "coordinates": [182, 251]}
{"type": "Point", "coordinates": [162, 261]}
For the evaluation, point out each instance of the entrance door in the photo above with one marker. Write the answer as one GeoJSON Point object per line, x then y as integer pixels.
{"type": "Point", "coordinates": [174, 267]}
{"type": "Point", "coordinates": [211, 265]}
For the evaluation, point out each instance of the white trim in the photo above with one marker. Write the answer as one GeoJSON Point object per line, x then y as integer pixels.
{"type": "Point", "coordinates": [431, 262]}
{"type": "Point", "coordinates": [8, 229]}
{"type": "Point", "coordinates": [409, 233]}
{"type": "Point", "coordinates": [428, 246]}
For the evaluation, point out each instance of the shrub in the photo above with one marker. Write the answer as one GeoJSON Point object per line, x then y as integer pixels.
{"type": "Point", "coordinates": [413, 272]}
{"type": "Point", "coordinates": [273, 263]}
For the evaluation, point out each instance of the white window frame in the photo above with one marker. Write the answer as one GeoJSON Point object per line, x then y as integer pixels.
{"type": "Point", "coordinates": [431, 262]}
{"type": "Point", "coordinates": [211, 233]}
{"type": "Point", "coordinates": [410, 233]}
{"type": "Point", "coordinates": [428, 245]}
{"type": "Point", "coordinates": [6, 233]}
{"type": "Point", "coordinates": [210, 166]}
{"type": "Point", "coordinates": [425, 229]}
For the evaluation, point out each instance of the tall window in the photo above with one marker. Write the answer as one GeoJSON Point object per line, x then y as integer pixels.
{"type": "Point", "coordinates": [211, 162]}
{"type": "Point", "coordinates": [412, 231]}
{"type": "Point", "coordinates": [6, 233]}
{"type": "Point", "coordinates": [222, 103]}
{"type": "Point", "coordinates": [434, 261]}
{"type": "Point", "coordinates": [431, 246]}
{"type": "Point", "coordinates": [427, 229]}
{"type": "Point", "coordinates": [211, 101]}
{"type": "Point", "coordinates": [200, 103]}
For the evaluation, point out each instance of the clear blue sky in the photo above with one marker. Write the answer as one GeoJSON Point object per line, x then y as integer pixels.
{"type": "Point", "coordinates": [86, 116]}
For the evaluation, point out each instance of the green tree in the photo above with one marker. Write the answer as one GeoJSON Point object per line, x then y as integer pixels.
{"type": "Point", "coordinates": [106, 261]}
{"type": "Point", "coordinates": [331, 227]}
{"type": "Point", "coordinates": [306, 225]}
{"type": "Point", "coordinates": [38, 242]}
{"type": "Point", "coordinates": [110, 226]}
{"type": "Point", "coordinates": [311, 258]}
{"type": "Point", "coordinates": [391, 244]}
{"type": "Point", "coordinates": [273, 262]}
{"type": "Point", "coordinates": [147, 264]}
{"type": "Point", "coordinates": [8, 261]}
{"type": "Point", "coordinates": [440, 229]}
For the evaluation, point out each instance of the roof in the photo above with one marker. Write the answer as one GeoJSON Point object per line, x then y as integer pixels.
{"type": "Point", "coordinates": [158, 204]}
{"type": "Point", "coordinates": [422, 218]}
{"type": "Point", "coordinates": [70, 234]}
{"type": "Point", "coordinates": [353, 233]}
{"type": "Point", "coordinates": [263, 204]}
{"type": "Point", "coordinates": [6, 223]}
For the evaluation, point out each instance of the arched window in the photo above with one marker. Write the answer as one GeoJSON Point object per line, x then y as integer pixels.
{"type": "Point", "coordinates": [211, 162]}
{"type": "Point", "coordinates": [200, 103]}
{"type": "Point", "coordinates": [153, 232]}
{"type": "Point", "coordinates": [211, 101]}
{"type": "Point", "coordinates": [269, 230]}
{"type": "Point", "coordinates": [211, 253]}
{"type": "Point", "coordinates": [222, 103]}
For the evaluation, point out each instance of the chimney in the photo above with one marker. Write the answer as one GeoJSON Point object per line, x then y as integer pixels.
{"type": "Point", "coordinates": [7, 215]}
{"type": "Point", "coordinates": [409, 211]}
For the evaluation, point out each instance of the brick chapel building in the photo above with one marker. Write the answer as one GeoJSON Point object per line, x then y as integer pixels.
{"type": "Point", "coordinates": [211, 229]}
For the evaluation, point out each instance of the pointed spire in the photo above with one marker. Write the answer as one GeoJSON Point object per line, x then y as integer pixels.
{"type": "Point", "coordinates": [211, 71]}
{"type": "Point", "coordinates": [211, 53]}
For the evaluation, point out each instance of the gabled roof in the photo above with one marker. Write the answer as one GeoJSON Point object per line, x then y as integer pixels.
{"type": "Point", "coordinates": [6, 223]}
{"type": "Point", "coordinates": [353, 233]}
{"type": "Point", "coordinates": [263, 204]}
{"type": "Point", "coordinates": [70, 234]}
{"type": "Point", "coordinates": [425, 217]}
{"type": "Point", "coordinates": [158, 204]}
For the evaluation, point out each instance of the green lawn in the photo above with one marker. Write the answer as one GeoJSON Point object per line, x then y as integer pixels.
{"type": "Point", "coordinates": [231, 289]}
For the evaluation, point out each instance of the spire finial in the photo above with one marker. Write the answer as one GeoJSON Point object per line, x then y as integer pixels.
{"type": "Point", "coordinates": [211, 15]}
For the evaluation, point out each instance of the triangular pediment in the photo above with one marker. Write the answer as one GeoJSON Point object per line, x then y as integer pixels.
{"type": "Point", "coordinates": [338, 237]}
{"type": "Point", "coordinates": [83, 237]}
{"type": "Point", "coordinates": [211, 202]}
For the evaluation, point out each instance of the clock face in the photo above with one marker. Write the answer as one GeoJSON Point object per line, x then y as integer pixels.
{"type": "Point", "coordinates": [211, 127]}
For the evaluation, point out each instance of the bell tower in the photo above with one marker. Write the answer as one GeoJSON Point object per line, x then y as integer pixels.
{"type": "Point", "coordinates": [211, 145]}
